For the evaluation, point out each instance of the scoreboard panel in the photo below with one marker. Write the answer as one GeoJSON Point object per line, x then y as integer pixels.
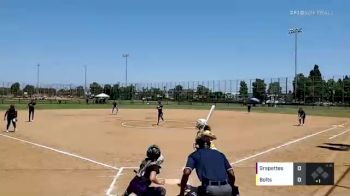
{"type": "Point", "coordinates": [290, 174]}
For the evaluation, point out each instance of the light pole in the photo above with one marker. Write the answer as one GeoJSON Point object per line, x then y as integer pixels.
{"type": "Point", "coordinates": [126, 68]}
{"type": "Point", "coordinates": [295, 31]}
{"type": "Point", "coordinates": [85, 71]}
{"type": "Point", "coordinates": [37, 79]}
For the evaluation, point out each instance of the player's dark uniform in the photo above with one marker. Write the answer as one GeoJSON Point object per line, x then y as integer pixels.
{"type": "Point", "coordinates": [11, 115]}
{"type": "Point", "coordinates": [31, 110]}
{"type": "Point", "coordinates": [115, 107]}
{"type": "Point", "coordinates": [302, 116]}
{"type": "Point", "coordinates": [160, 112]}
{"type": "Point", "coordinates": [150, 190]}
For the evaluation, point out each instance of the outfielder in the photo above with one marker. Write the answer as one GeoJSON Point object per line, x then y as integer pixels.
{"type": "Point", "coordinates": [11, 115]}
{"type": "Point", "coordinates": [160, 111]}
{"type": "Point", "coordinates": [301, 116]}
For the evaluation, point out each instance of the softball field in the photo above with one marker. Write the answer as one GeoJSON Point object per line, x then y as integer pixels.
{"type": "Point", "coordinates": [92, 152]}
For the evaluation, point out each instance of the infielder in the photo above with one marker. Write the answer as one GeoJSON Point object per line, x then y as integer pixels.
{"type": "Point", "coordinates": [160, 111]}
{"type": "Point", "coordinates": [115, 107]}
{"type": "Point", "coordinates": [31, 110]}
{"type": "Point", "coordinates": [11, 115]}
{"type": "Point", "coordinates": [301, 116]}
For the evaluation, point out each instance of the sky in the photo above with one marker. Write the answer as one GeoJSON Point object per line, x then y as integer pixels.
{"type": "Point", "coordinates": [170, 40]}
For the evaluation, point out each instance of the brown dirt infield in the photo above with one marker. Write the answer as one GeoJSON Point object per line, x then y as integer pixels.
{"type": "Point", "coordinates": [80, 152]}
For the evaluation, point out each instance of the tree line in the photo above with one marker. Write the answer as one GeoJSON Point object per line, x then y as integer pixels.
{"type": "Point", "coordinates": [308, 89]}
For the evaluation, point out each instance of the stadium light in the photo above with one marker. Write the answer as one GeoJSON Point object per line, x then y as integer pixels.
{"type": "Point", "coordinates": [37, 79]}
{"type": "Point", "coordinates": [126, 68]}
{"type": "Point", "coordinates": [85, 71]}
{"type": "Point", "coordinates": [295, 31]}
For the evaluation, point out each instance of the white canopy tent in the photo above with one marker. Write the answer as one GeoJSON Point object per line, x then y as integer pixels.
{"type": "Point", "coordinates": [102, 96]}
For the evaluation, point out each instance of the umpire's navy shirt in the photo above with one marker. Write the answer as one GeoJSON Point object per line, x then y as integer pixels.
{"type": "Point", "coordinates": [209, 164]}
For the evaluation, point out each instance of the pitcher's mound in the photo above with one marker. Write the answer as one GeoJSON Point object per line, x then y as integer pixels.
{"type": "Point", "coordinates": [153, 124]}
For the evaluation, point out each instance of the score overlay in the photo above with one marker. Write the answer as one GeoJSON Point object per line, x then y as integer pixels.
{"type": "Point", "coordinates": [290, 174]}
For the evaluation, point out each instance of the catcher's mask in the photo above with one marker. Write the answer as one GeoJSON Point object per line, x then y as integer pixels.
{"type": "Point", "coordinates": [153, 152]}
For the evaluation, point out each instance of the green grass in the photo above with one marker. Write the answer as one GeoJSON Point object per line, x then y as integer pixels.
{"type": "Point", "coordinates": [317, 111]}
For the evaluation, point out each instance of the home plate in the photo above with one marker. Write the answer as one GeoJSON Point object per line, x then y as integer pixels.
{"type": "Point", "coordinates": [172, 181]}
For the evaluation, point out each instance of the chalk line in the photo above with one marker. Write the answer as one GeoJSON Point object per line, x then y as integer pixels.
{"type": "Point", "coordinates": [286, 144]}
{"type": "Point", "coordinates": [334, 136]}
{"type": "Point", "coordinates": [111, 186]}
{"type": "Point", "coordinates": [61, 152]}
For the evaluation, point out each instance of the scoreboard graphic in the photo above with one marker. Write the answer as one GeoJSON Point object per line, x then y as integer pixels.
{"type": "Point", "coordinates": [290, 174]}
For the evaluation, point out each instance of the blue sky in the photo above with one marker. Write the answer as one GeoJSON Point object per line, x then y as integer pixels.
{"type": "Point", "coordinates": [169, 40]}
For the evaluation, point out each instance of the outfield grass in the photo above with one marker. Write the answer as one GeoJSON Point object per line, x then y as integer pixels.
{"type": "Point", "coordinates": [317, 111]}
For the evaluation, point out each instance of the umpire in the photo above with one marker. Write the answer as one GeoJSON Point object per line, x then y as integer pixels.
{"type": "Point", "coordinates": [213, 170]}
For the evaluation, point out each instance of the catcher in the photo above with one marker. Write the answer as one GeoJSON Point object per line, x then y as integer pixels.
{"type": "Point", "coordinates": [147, 174]}
{"type": "Point", "coordinates": [204, 130]}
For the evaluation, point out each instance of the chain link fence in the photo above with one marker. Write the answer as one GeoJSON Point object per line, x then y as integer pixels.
{"type": "Point", "coordinates": [333, 90]}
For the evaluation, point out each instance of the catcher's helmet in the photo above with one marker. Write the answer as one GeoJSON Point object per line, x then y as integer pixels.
{"type": "Point", "coordinates": [153, 152]}
{"type": "Point", "coordinates": [201, 123]}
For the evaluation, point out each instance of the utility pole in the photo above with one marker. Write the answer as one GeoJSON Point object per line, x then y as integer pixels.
{"type": "Point", "coordinates": [37, 79]}
{"type": "Point", "coordinates": [295, 31]}
{"type": "Point", "coordinates": [126, 68]}
{"type": "Point", "coordinates": [85, 71]}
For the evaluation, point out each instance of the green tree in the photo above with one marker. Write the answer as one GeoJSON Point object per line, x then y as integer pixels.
{"type": "Point", "coordinates": [318, 85]}
{"type": "Point", "coordinates": [330, 90]}
{"type": "Point", "coordinates": [115, 92]}
{"type": "Point", "coordinates": [95, 88]}
{"type": "Point", "coordinates": [346, 89]}
{"type": "Point", "coordinates": [338, 93]}
{"type": "Point", "coordinates": [15, 88]}
{"type": "Point", "coordinates": [107, 89]}
{"type": "Point", "coordinates": [302, 90]}
{"type": "Point", "coordinates": [126, 92]}
{"type": "Point", "coordinates": [259, 89]}
{"type": "Point", "coordinates": [275, 88]}
{"type": "Point", "coordinates": [177, 91]}
{"type": "Point", "coordinates": [30, 89]}
{"type": "Point", "coordinates": [80, 91]}
{"type": "Point", "coordinates": [202, 92]}
{"type": "Point", "coordinates": [243, 90]}
{"type": "Point", "coordinates": [156, 93]}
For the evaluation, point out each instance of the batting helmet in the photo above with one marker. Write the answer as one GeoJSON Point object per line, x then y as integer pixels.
{"type": "Point", "coordinates": [153, 152]}
{"type": "Point", "coordinates": [201, 123]}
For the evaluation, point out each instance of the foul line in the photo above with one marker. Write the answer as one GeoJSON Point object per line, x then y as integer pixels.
{"type": "Point", "coordinates": [111, 187]}
{"type": "Point", "coordinates": [334, 136]}
{"type": "Point", "coordinates": [286, 144]}
{"type": "Point", "coordinates": [62, 152]}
